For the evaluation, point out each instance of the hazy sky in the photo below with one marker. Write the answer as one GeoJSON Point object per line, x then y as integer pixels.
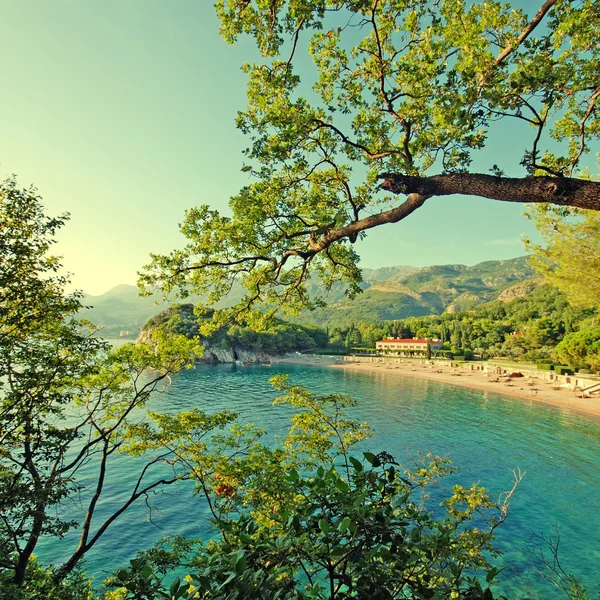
{"type": "Point", "coordinates": [121, 112]}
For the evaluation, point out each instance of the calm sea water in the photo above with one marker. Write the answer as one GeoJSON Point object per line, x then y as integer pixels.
{"type": "Point", "coordinates": [486, 435]}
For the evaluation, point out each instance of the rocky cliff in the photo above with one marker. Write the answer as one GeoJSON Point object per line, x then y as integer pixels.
{"type": "Point", "coordinates": [214, 354]}
{"type": "Point", "coordinates": [214, 351]}
{"type": "Point", "coordinates": [238, 342]}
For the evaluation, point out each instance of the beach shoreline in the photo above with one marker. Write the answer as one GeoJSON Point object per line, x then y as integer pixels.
{"type": "Point", "coordinates": [532, 390]}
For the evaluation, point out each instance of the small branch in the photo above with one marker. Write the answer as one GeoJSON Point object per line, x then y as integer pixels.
{"type": "Point", "coordinates": [588, 112]}
{"type": "Point", "coordinates": [525, 34]}
{"type": "Point", "coordinates": [372, 155]}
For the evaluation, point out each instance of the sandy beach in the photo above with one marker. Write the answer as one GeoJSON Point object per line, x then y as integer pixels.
{"type": "Point", "coordinates": [528, 389]}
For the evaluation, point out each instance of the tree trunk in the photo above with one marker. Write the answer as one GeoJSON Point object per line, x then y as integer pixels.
{"type": "Point", "coordinates": [564, 191]}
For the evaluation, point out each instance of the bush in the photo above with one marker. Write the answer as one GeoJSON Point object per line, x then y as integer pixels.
{"type": "Point", "coordinates": [41, 584]}
{"type": "Point", "coordinates": [545, 366]}
{"type": "Point", "coordinates": [328, 352]}
{"type": "Point", "coordinates": [363, 350]}
{"type": "Point", "coordinates": [358, 532]}
{"type": "Point", "coordinates": [310, 519]}
{"type": "Point", "coordinates": [580, 349]}
{"type": "Point", "coordinates": [563, 370]}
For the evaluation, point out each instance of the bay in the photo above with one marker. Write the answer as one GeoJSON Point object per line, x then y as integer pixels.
{"type": "Point", "coordinates": [486, 435]}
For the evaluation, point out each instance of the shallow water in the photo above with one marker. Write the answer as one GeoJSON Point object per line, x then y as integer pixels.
{"type": "Point", "coordinates": [485, 434]}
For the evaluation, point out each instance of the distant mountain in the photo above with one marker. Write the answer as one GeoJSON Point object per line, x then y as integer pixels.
{"type": "Point", "coordinates": [428, 291]}
{"type": "Point", "coordinates": [121, 309]}
{"type": "Point", "coordinates": [389, 293]}
{"type": "Point", "coordinates": [373, 276]}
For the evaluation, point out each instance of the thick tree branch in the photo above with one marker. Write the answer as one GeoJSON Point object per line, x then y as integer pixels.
{"type": "Point", "coordinates": [563, 191]}
{"type": "Point", "coordinates": [351, 230]}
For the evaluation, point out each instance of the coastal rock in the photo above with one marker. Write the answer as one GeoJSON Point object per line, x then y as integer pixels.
{"type": "Point", "coordinates": [218, 354]}
{"type": "Point", "coordinates": [221, 352]}
{"type": "Point", "coordinates": [237, 343]}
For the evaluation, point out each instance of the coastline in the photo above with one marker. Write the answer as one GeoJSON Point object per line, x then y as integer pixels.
{"type": "Point", "coordinates": [523, 389]}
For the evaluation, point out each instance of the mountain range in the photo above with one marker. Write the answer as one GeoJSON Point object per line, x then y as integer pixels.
{"type": "Point", "coordinates": [389, 293]}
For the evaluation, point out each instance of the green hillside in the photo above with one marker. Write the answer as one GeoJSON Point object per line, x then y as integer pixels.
{"type": "Point", "coordinates": [389, 293]}
{"type": "Point", "coordinates": [428, 291]}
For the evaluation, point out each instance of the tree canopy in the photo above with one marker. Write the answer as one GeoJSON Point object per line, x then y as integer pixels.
{"type": "Point", "coordinates": [66, 402]}
{"type": "Point", "coordinates": [398, 99]}
{"type": "Point", "coordinates": [570, 258]}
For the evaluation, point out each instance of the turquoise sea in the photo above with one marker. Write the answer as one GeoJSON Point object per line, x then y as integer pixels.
{"type": "Point", "coordinates": [486, 435]}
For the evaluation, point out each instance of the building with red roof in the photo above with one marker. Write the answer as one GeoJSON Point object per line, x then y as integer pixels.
{"type": "Point", "coordinates": [412, 344]}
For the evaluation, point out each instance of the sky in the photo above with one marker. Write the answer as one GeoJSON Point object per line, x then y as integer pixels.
{"type": "Point", "coordinates": [121, 113]}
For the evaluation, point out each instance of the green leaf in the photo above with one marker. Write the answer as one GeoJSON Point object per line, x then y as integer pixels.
{"type": "Point", "coordinates": [174, 587]}
{"type": "Point", "coordinates": [245, 538]}
{"type": "Point", "coordinates": [356, 464]}
{"type": "Point", "coordinates": [344, 524]}
{"type": "Point", "coordinates": [372, 459]}
{"type": "Point", "coordinates": [240, 565]}
{"type": "Point", "coordinates": [147, 572]}
{"type": "Point", "coordinates": [324, 526]}
{"type": "Point", "coordinates": [342, 486]}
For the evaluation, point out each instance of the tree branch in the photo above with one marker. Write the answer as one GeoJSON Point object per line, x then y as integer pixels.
{"type": "Point", "coordinates": [525, 34]}
{"type": "Point", "coordinates": [372, 155]}
{"type": "Point", "coordinates": [351, 230]}
{"type": "Point", "coordinates": [563, 191]}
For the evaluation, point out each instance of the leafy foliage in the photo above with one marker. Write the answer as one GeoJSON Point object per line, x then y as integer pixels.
{"type": "Point", "coordinates": [312, 520]}
{"type": "Point", "coordinates": [395, 90]}
{"type": "Point", "coordinates": [581, 349]}
{"type": "Point", "coordinates": [276, 337]}
{"type": "Point", "coordinates": [570, 257]}
{"type": "Point", "coordinates": [41, 583]}
{"type": "Point", "coordinates": [65, 399]}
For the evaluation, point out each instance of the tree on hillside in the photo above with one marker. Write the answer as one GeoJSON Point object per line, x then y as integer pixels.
{"type": "Point", "coordinates": [66, 402]}
{"type": "Point", "coordinates": [570, 258]}
{"type": "Point", "coordinates": [399, 98]}
{"type": "Point", "coordinates": [580, 349]}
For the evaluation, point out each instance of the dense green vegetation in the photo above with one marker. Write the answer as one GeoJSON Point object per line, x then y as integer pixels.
{"type": "Point", "coordinates": [278, 337]}
{"type": "Point", "coordinates": [401, 89]}
{"type": "Point", "coordinates": [536, 327]}
{"type": "Point", "coordinates": [570, 255]}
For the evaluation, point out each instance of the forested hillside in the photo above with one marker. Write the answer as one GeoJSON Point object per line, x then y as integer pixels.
{"type": "Point", "coordinates": [236, 342]}
{"type": "Point", "coordinates": [427, 291]}
{"type": "Point", "coordinates": [540, 326]}
{"type": "Point", "coordinates": [388, 293]}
